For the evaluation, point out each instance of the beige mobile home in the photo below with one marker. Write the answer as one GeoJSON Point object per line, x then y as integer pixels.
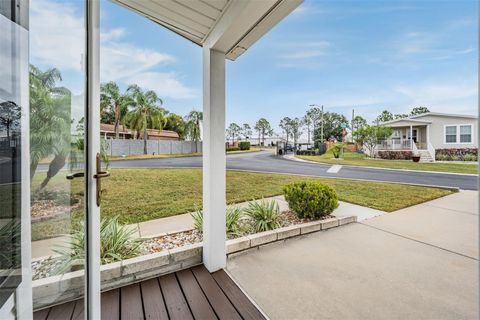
{"type": "Point", "coordinates": [429, 132]}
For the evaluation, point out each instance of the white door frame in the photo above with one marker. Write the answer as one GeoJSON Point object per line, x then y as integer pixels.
{"type": "Point", "coordinates": [92, 136]}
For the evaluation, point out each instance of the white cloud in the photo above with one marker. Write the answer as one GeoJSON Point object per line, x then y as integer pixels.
{"type": "Point", "coordinates": [56, 37]}
{"type": "Point", "coordinates": [459, 97]}
{"type": "Point", "coordinates": [305, 50]}
{"type": "Point", "coordinates": [433, 45]}
{"type": "Point", "coordinates": [165, 84]}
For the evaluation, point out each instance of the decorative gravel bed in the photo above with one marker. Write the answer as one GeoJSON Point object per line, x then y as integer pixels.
{"type": "Point", "coordinates": [180, 239]}
{"type": "Point", "coordinates": [48, 209]}
{"type": "Point", "coordinates": [46, 267]}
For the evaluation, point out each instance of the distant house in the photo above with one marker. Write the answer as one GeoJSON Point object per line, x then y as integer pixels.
{"type": "Point", "coordinates": [154, 134]}
{"type": "Point", "coordinates": [428, 132]}
{"type": "Point", "coordinates": [107, 131]}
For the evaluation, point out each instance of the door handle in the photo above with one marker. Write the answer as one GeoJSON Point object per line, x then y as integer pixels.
{"type": "Point", "coordinates": [99, 176]}
{"type": "Point", "coordinates": [75, 175]}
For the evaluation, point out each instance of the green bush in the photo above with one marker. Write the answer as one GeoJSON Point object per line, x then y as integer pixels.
{"type": "Point", "coordinates": [469, 157]}
{"type": "Point", "coordinates": [265, 215]}
{"type": "Point", "coordinates": [337, 150]}
{"type": "Point", "coordinates": [310, 199]}
{"type": "Point", "coordinates": [116, 243]}
{"type": "Point", "coordinates": [233, 149]}
{"type": "Point", "coordinates": [443, 157]}
{"type": "Point", "coordinates": [244, 145]}
{"type": "Point", "coordinates": [233, 217]}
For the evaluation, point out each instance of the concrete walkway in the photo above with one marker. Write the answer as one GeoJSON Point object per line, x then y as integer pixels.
{"type": "Point", "coordinates": [417, 263]}
{"type": "Point", "coordinates": [183, 222]}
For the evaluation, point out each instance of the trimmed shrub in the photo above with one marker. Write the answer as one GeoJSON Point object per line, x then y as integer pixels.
{"type": "Point", "coordinates": [233, 149]}
{"type": "Point", "coordinates": [337, 150]}
{"type": "Point", "coordinates": [395, 155]}
{"type": "Point", "coordinates": [310, 199]}
{"type": "Point", "coordinates": [456, 154]}
{"type": "Point", "coordinates": [469, 157]}
{"type": "Point", "coordinates": [244, 145]}
{"type": "Point", "coordinates": [307, 152]}
{"type": "Point", "coordinates": [265, 215]}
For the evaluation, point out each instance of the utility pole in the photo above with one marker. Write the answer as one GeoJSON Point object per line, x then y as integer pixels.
{"type": "Point", "coordinates": [321, 130]}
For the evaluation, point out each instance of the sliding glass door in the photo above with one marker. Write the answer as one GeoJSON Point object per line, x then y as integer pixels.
{"type": "Point", "coordinates": [49, 217]}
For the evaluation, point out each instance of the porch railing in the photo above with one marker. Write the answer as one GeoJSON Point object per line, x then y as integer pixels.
{"type": "Point", "coordinates": [394, 144]}
{"type": "Point", "coordinates": [422, 145]}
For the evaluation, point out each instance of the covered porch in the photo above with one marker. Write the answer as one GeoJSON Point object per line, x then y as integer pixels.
{"type": "Point", "coordinates": [407, 135]}
{"type": "Point", "coordinates": [186, 286]}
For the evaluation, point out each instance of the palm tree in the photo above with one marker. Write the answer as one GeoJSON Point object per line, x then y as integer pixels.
{"type": "Point", "coordinates": [146, 112]}
{"type": "Point", "coordinates": [193, 120]}
{"type": "Point", "coordinates": [112, 101]}
{"type": "Point", "coordinates": [49, 120]}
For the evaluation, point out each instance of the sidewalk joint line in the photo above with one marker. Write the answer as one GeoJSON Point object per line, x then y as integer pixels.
{"type": "Point", "coordinates": [459, 211]}
{"type": "Point", "coordinates": [422, 242]}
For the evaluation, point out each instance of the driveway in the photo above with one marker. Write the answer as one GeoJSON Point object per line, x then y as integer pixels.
{"type": "Point", "coordinates": [416, 263]}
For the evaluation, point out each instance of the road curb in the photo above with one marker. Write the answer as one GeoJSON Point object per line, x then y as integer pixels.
{"type": "Point", "coordinates": [378, 168]}
{"type": "Point", "coordinates": [455, 189]}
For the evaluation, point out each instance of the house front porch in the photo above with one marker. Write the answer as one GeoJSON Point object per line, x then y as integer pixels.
{"type": "Point", "coordinates": [409, 135]}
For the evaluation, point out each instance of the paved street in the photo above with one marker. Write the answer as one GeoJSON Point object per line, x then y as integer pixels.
{"type": "Point", "coordinates": [265, 161]}
{"type": "Point", "coordinates": [416, 263]}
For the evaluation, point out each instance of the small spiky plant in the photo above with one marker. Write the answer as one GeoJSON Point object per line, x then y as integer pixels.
{"type": "Point", "coordinates": [265, 215]}
{"type": "Point", "coordinates": [116, 243]}
{"type": "Point", "coordinates": [233, 219]}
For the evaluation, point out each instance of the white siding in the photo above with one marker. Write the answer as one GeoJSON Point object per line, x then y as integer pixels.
{"type": "Point", "coordinates": [437, 131]}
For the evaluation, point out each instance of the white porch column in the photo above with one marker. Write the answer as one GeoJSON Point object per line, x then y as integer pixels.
{"type": "Point", "coordinates": [428, 135]}
{"type": "Point", "coordinates": [411, 134]}
{"type": "Point", "coordinates": [214, 160]}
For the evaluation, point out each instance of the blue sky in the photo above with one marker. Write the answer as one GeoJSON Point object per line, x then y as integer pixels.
{"type": "Point", "coordinates": [366, 55]}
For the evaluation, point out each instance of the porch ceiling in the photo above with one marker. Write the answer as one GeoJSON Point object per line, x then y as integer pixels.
{"type": "Point", "coordinates": [195, 19]}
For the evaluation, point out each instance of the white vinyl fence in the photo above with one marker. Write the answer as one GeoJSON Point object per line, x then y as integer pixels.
{"type": "Point", "coordinates": [119, 147]}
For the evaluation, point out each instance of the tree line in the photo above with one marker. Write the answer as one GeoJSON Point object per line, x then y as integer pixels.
{"type": "Point", "coordinates": [319, 126]}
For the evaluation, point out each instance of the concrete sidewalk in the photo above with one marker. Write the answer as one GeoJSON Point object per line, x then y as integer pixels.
{"type": "Point", "coordinates": [416, 263]}
{"type": "Point", "coordinates": [183, 222]}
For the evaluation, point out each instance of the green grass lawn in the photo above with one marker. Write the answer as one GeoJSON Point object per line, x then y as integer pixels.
{"type": "Point", "coordinates": [137, 195]}
{"type": "Point", "coordinates": [357, 159]}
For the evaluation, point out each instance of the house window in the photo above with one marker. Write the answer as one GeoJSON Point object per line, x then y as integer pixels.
{"type": "Point", "coordinates": [451, 134]}
{"type": "Point", "coordinates": [466, 134]}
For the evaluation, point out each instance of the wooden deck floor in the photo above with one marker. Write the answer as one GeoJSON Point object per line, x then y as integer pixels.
{"type": "Point", "coordinates": [188, 294]}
